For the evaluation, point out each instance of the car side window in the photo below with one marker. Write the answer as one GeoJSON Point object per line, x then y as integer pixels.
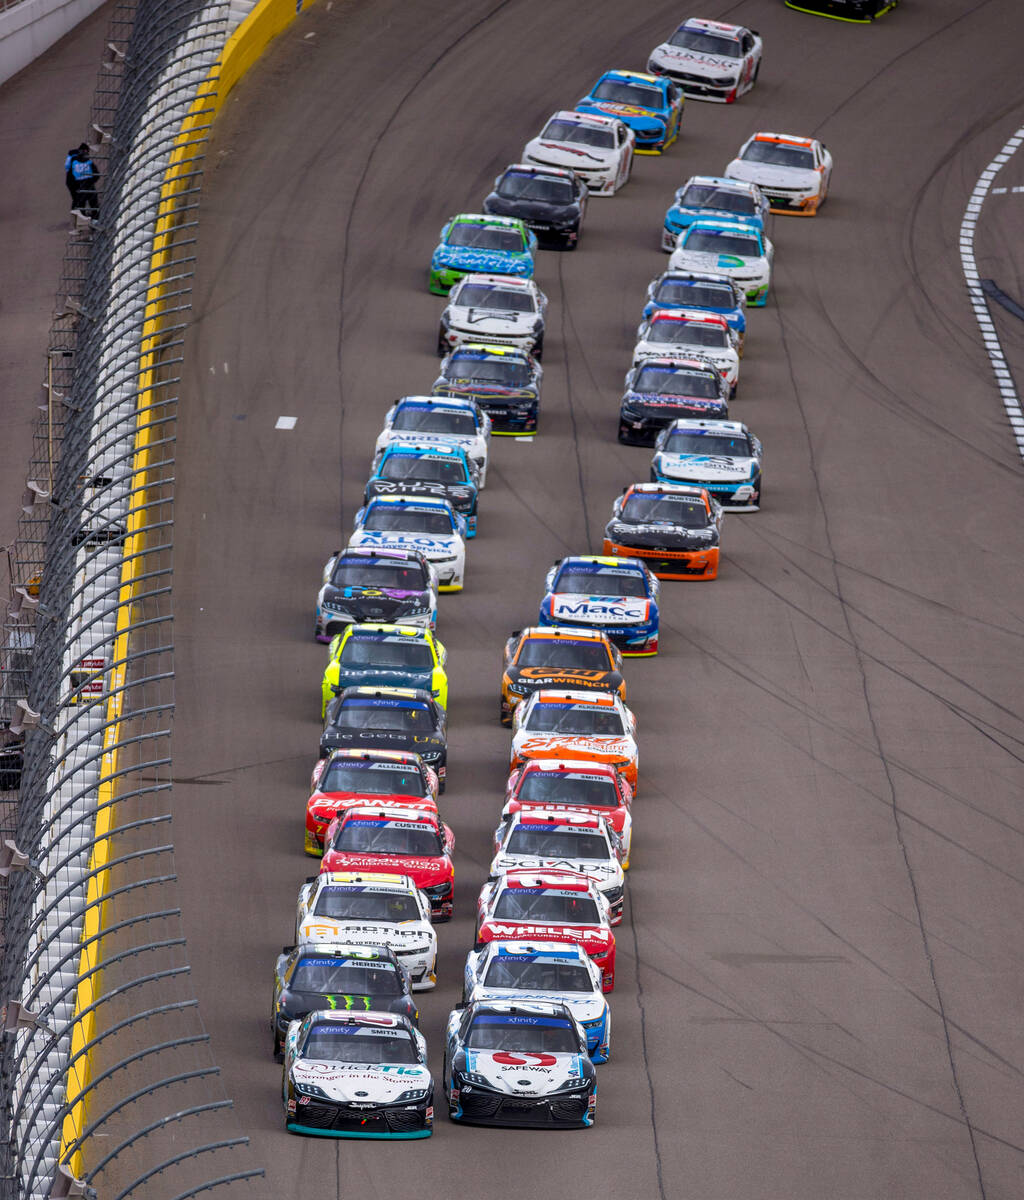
{"type": "Point", "coordinates": [747, 43]}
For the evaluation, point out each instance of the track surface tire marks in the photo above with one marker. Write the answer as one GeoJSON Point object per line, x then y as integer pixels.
{"type": "Point", "coordinates": [822, 935]}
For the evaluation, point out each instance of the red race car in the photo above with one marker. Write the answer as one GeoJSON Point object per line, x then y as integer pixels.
{"type": "Point", "coordinates": [574, 786]}
{"type": "Point", "coordinates": [399, 839]}
{"type": "Point", "coordinates": [552, 905]}
{"type": "Point", "coordinates": [347, 777]}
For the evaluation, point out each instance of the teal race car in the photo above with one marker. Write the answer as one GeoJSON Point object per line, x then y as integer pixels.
{"type": "Point", "coordinates": [477, 242]}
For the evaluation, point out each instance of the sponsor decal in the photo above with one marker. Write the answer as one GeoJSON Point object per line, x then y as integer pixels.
{"type": "Point", "coordinates": [507, 1059]}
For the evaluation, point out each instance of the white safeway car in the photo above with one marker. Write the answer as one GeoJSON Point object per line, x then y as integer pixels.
{"type": "Point", "coordinates": [497, 309]}
{"type": "Point", "coordinates": [682, 332]}
{"type": "Point", "coordinates": [424, 523]}
{"type": "Point", "coordinates": [793, 172]}
{"type": "Point", "coordinates": [710, 60]}
{"type": "Point", "coordinates": [439, 421]}
{"type": "Point", "coordinates": [726, 248]}
{"type": "Point", "coordinates": [599, 149]}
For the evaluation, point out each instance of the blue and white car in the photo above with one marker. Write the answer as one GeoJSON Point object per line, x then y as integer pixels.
{"type": "Point", "coordinates": [409, 468]}
{"type": "Point", "coordinates": [440, 421]}
{"type": "Point", "coordinates": [701, 290]}
{"type": "Point", "coordinates": [727, 248]}
{"type": "Point", "coordinates": [420, 523]}
{"type": "Point", "coordinates": [713, 198]}
{"type": "Point", "coordinates": [651, 105]}
{"type": "Point", "coordinates": [518, 1064]}
{"type": "Point", "coordinates": [474, 242]}
{"type": "Point", "coordinates": [618, 596]}
{"type": "Point", "coordinates": [722, 457]}
{"type": "Point", "coordinates": [526, 971]}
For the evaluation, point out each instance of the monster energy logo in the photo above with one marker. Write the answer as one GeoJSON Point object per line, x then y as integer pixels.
{"type": "Point", "coordinates": [350, 1002]}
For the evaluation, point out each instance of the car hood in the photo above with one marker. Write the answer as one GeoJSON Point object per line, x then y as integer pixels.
{"type": "Point", "coordinates": [658, 536]}
{"type": "Point", "coordinates": [475, 259]}
{"type": "Point", "coordinates": [605, 873]}
{"type": "Point", "coordinates": [684, 349]}
{"type": "Point", "coordinates": [688, 404]}
{"type": "Point", "coordinates": [370, 1083]}
{"type": "Point", "coordinates": [483, 321]}
{"type": "Point", "coordinates": [473, 389]}
{"type": "Point", "coordinates": [524, 1073]}
{"type": "Point", "coordinates": [563, 154]}
{"type": "Point", "coordinates": [696, 61]}
{"type": "Point", "coordinates": [571, 745]}
{"type": "Point", "coordinates": [393, 539]}
{"type": "Point", "coordinates": [769, 175]}
{"type": "Point", "coordinates": [530, 210]}
{"type": "Point", "coordinates": [595, 939]}
{"type": "Point", "coordinates": [364, 676]}
{"type": "Point", "coordinates": [382, 739]}
{"type": "Point", "coordinates": [424, 872]}
{"type": "Point", "coordinates": [705, 466]}
{"type": "Point", "coordinates": [584, 1006]}
{"type": "Point", "coordinates": [710, 260]}
{"type": "Point", "coordinates": [624, 111]}
{"type": "Point", "coordinates": [370, 603]}
{"type": "Point", "coordinates": [599, 610]}
{"type": "Point", "coordinates": [399, 936]}
{"type": "Point", "coordinates": [565, 677]}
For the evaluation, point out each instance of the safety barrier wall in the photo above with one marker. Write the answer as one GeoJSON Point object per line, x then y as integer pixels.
{"type": "Point", "coordinates": [101, 1036]}
{"type": "Point", "coordinates": [30, 27]}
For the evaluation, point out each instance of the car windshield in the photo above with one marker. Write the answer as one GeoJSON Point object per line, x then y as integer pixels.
{"type": "Point", "coordinates": [358, 573]}
{"type": "Point", "coordinates": [648, 508]}
{"type": "Point", "coordinates": [574, 718]}
{"type": "Point", "coordinates": [691, 442]}
{"type": "Point", "coordinates": [539, 842]}
{"type": "Point", "coordinates": [485, 237]}
{"type": "Point", "coordinates": [345, 976]}
{"type": "Point", "coordinates": [358, 1044]}
{"type": "Point", "coordinates": [401, 518]}
{"type": "Point", "coordinates": [563, 787]}
{"type": "Point", "coordinates": [371, 835]}
{"type": "Point", "coordinates": [409, 716]}
{"type": "Point", "coordinates": [563, 652]}
{"type": "Point", "coordinates": [372, 779]}
{"type": "Point", "coordinates": [629, 93]}
{"type": "Point", "coordinates": [695, 295]}
{"type": "Point", "coordinates": [386, 652]}
{"type": "Point", "coordinates": [701, 385]}
{"type": "Point", "coordinates": [707, 241]}
{"type": "Point", "coordinates": [600, 583]}
{"type": "Point", "coordinates": [528, 1035]}
{"type": "Point", "coordinates": [530, 973]}
{"type": "Point", "coordinates": [425, 419]}
{"type": "Point", "coordinates": [687, 333]}
{"type": "Point", "coordinates": [708, 195]}
{"type": "Point", "coordinates": [359, 904]}
{"type": "Point", "coordinates": [522, 185]}
{"type": "Point", "coordinates": [508, 372]}
{"type": "Point", "coordinates": [578, 134]}
{"type": "Point", "coordinates": [778, 154]}
{"type": "Point", "coordinates": [425, 467]}
{"type": "Point", "coordinates": [706, 43]}
{"type": "Point", "coordinates": [548, 905]}
{"type": "Point", "coordinates": [493, 299]}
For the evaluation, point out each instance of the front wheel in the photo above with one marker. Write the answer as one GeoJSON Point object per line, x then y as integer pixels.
{"type": "Point", "coordinates": [538, 347]}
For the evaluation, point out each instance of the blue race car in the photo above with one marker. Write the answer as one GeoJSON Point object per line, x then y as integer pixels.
{"type": "Point", "coordinates": [713, 197]}
{"type": "Point", "coordinates": [408, 469]}
{"type": "Point", "coordinates": [651, 105]}
{"type": "Point", "coordinates": [472, 242]}
{"type": "Point", "coordinates": [618, 596]}
{"type": "Point", "coordinates": [704, 291]}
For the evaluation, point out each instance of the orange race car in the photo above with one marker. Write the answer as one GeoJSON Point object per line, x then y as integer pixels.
{"type": "Point", "coordinates": [673, 528]}
{"type": "Point", "coordinates": [547, 656]}
{"type": "Point", "coordinates": [566, 725]}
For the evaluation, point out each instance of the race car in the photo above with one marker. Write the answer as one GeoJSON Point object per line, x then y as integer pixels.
{"type": "Point", "coordinates": [357, 1075]}
{"type": "Point", "coordinates": [496, 310]}
{"type": "Point", "coordinates": [680, 332]}
{"type": "Point", "coordinates": [557, 906]}
{"type": "Point", "coordinates": [710, 60]}
{"type": "Point", "coordinates": [417, 469]}
{"type": "Point", "coordinates": [550, 201]}
{"type": "Point", "coordinates": [713, 198]}
{"type": "Point", "coordinates": [619, 596]}
{"type": "Point", "coordinates": [793, 172]}
{"type": "Point", "coordinates": [728, 248]}
{"type": "Point", "coordinates": [329, 975]}
{"type": "Point", "coordinates": [552, 656]}
{"type": "Point", "coordinates": [429, 527]}
{"type": "Point", "coordinates": [536, 838]}
{"type": "Point", "coordinates": [704, 291]}
{"type": "Point", "coordinates": [373, 655]}
{"type": "Point", "coordinates": [473, 242]}
{"type": "Point", "coordinates": [401, 839]}
{"type": "Point", "coordinates": [650, 105]}
{"type": "Point", "coordinates": [526, 971]}
{"type": "Point", "coordinates": [662, 389]}
{"type": "Point", "coordinates": [859, 11]}
{"type": "Point", "coordinates": [599, 149]}
{"type": "Point", "coordinates": [675, 530]}
{"type": "Point", "coordinates": [363, 908]}
{"type": "Point", "coordinates": [397, 586]}
{"type": "Point", "coordinates": [503, 380]}
{"type": "Point", "coordinates": [388, 718]}
{"type": "Point", "coordinates": [575, 787]}
{"type": "Point", "coordinates": [722, 457]}
{"type": "Point", "coordinates": [440, 421]}
{"type": "Point", "coordinates": [518, 1064]}
{"type": "Point", "coordinates": [350, 778]}
{"type": "Point", "coordinates": [576, 725]}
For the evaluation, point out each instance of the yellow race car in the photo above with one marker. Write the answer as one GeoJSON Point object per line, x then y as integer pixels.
{"type": "Point", "coordinates": [385, 656]}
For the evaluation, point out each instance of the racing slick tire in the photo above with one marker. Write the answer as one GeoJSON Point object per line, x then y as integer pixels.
{"type": "Point", "coordinates": [538, 348]}
{"type": "Point", "coordinates": [442, 345]}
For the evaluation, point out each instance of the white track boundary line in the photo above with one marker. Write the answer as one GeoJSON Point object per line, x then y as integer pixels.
{"type": "Point", "coordinates": [993, 347]}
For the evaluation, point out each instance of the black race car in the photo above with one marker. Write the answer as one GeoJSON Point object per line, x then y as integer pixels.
{"type": "Point", "coordinates": [659, 390]}
{"type": "Point", "coordinates": [398, 587]}
{"type": "Point", "coordinates": [844, 10]}
{"type": "Point", "coordinates": [371, 718]}
{"type": "Point", "coordinates": [503, 380]}
{"type": "Point", "coordinates": [550, 200]}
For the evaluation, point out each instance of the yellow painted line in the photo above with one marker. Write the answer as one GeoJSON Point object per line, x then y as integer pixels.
{"type": "Point", "coordinates": [243, 48]}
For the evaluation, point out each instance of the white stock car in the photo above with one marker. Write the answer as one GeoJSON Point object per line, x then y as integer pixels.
{"type": "Point", "coordinates": [427, 524]}
{"type": "Point", "coordinates": [518, 971]}
{"type": "Point", "coordinates": [599, 149]}
{"type": "Point", "coordinates": [683, 332]}
{"type": "Point", "coordinates": [439, 421]}
{"type": "Point", "coordinates": [496, 309]}
{"type": "Point", "coordinates": [727, 248]}
{"type": "Point", "coordinates": [793, 172]}
{"type": "Point", "coordinates": [710, 60]}
{"type": "Point", "coordinates": [722, 456]}
{"type": "Point", "coordinates": [362, 908]}
{"type": "Point", "coordinates": [539, 839]}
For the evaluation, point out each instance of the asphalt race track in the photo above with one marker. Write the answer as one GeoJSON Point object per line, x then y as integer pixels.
{"type": "Point", "coordinates": [821, 972]}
